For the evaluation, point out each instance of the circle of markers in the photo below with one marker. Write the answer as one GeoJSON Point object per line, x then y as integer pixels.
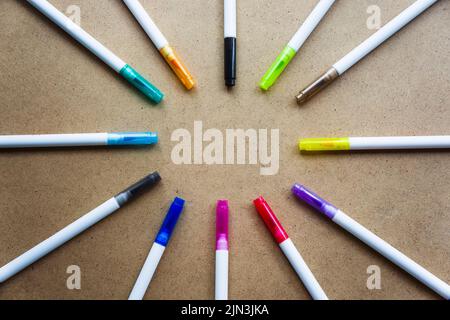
{"type": "Point", "coordinates": [222, 211]}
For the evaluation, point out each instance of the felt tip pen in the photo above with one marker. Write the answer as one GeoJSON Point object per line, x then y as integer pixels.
{"type": "Point", "coordinates": [160, 43]}
{"type": "Point", "coordinates": [103, 53]}
{"type": "Point", "coordinates": [373, 241]}
{"type": "Point", "coordinates": [77, 227]}
{"type": "Point", "coordinates": [222, 248]}
{"type": "Point", "coordinates": [364, 49]}
{"type": "Point", "coordinates": [78, 139]}
{"type": "Point", "coordinates": [157, 250]}
{"type": "Point", "coordinates": [294, 45]}
{"type": "Point", "coordinates": [230, 34]}
{"type": "Point", "coordinates": [374, 143]}
{"type": "Point", "coordinates": [289, 249]}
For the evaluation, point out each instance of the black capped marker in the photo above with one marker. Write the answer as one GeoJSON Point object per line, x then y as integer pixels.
{"type": "Point", "coordinates": [230, 42]}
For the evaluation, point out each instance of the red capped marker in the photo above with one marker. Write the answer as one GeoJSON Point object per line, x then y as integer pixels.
{"type": "Point", "coordinates": [289, 249]}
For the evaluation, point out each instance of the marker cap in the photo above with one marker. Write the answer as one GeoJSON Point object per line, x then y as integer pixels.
{"type": "Point", "coordinates": [178, 67]}
{"type": "Point", "coordinates": [222, 225]}
{"type": "Point", "coordinates": [170, 222]}
{"type": "Point", "coordinates": [324, 144]}
{"type": "Point", "coordinates": [144, 86]}
{"type": "Point", "coordinates": [270, 220]}
{"type": "Point", "coordinates": [132, 138]}
{"type": "Point", "coordinates": [138, 188]}
{"type": "Point", "coordinates": [314, 200]}
{"type": "Point", "coordinates": [277, 68]}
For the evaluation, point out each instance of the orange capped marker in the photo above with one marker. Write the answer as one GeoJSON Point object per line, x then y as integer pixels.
{"type": "Point", "coordinates": [160, 43]}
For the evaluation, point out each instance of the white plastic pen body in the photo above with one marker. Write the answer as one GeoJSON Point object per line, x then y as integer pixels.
{"type": "Point", "coordinates": [221, 276]}
{"type": "Point", "coordinates": [147, 23]}
{"type": "Point", "coordinates": [375, 143]}
{"type": "Point", "coordinates": [58, 239]}
{"type": "Point", "coordinates": [372, 240]}
{"type": "Point", "coordinates": [75, 228]}
{"type": "Point", "coordinates": [79, 34]}
{"type": "Point", "coordinates": [147, 272]}
{"type": "Point", "coordinates": [382, 35]}
{"type": "Point", "coordinates": [310, 24]}
{"type": "Point", "coordinates": [392, 254]}
{"type": "Point", "coordinates": [301, 268]}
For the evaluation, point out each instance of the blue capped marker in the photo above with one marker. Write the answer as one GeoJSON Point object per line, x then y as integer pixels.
{"type": "Point", "coordinates": [157, 250]}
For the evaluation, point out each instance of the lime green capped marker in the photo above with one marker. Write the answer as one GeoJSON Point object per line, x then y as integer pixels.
{"type": "Point", "coordinates": [295, 44]}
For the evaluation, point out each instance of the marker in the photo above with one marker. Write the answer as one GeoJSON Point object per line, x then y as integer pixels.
{"type": "Point", "coordinates": [230, 42]}
{"type": "Point", "coordinates": [372, 240]}
{"type": "Point", "coordinates": [78, 139]}
{"type": "Point", "coordinates": [77, 227]}
{"type": "Point", "coordinates": [364, 49]}
{"type": "Point", "coordinates": [295, 44]}
{"type": "Point", "coordinates": [117, 64]}
{"type": "Point", "coordinates": [160, 43]}
{"type": "Point", "coordinates": [289, 249]}
{"type": "Point", "coordinates": [222, 250]}
{"type": "Point", "coordinates": [157, 250]}
{"type": "Point", "coordinates": [373, 143]}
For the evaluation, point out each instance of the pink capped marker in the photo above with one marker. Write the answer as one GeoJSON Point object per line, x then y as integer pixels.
{"type": "Point", "coordinates": [222, 250]}
{"type": "Point", "coordinates": [289, 249]}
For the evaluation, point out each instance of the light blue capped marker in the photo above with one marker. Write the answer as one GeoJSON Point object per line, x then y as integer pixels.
{"type": "Point", "coordinates": [77, 140]}
{"type": "Point", "coordinates": [157, 250]}
{"type": "Point", "coordinates": [132, 138]}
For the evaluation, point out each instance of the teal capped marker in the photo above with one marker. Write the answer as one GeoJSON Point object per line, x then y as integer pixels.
{"type": "Point", "coordinates": [90, 43]}
{"type": "Point", "coordinates": [144, 86]}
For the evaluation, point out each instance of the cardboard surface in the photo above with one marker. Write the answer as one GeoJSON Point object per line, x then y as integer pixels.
{"type": "Point", "coordinates": [50, 84]}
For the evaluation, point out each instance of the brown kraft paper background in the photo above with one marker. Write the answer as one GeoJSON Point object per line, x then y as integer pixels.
{"type": "Point", "coordinates": [51, 84]}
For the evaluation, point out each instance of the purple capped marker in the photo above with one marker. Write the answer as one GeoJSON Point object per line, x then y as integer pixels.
{"type": "Point", "coordinates": [372, 240]}
{"type": "Point", "coordinates": [314, 200]}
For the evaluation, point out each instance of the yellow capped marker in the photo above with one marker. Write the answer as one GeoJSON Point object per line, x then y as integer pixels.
{"type": "Point", "coordinates": [374, 143]}
{"type": "Point", "coordinates": [160, 42]}
{"type": "Point", "coordinates": [324, 144]}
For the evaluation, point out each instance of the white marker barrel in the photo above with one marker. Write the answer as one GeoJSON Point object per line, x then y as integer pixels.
{"type": "Point", "coordinates": [221, 289]}
{"type": "Point", "coordinates": [79, 34]}
{"type": "Point", "coordinates": [230, 19]}
{"type": "Point", "coordinates": [147, 272]}
{"type": "Point", "coordinates": [392, 254]}
{"type": "Point", "coordinates": [311, 22]}
{"type": "Point", "coordinates": [392, 143]}
{"type": "Point", "coordinates": [302, 270]}
{"type": "Point", "coordinates": [53, 140]}
{"type": "Point", "coordinates": [147, 23]}
{"type": "Point", "coordinates": [58, 239]}
{"type": "Point", "coordinates": [382, 35]}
